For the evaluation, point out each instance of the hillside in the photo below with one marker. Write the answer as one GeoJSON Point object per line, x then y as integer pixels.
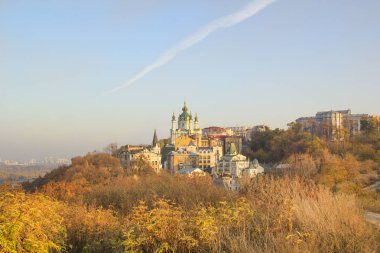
{"type": "Point", "coordinates": [97, 208]}
{"type": "Point", "coordinates": [316, 204]}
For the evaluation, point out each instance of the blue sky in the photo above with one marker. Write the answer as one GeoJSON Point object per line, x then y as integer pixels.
{"type": "Point", "coordinates": [57, 58]}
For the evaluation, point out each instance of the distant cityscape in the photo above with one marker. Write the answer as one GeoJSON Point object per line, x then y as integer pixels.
{"type": "Point", "coordinates": [332, 125]}
{"type": "Point", "coordinates": [47, 161]}
{"type": "Point", "coordinates": [195, 151]}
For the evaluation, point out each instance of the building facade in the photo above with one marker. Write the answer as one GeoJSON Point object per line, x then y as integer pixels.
{"type": "Point", "coordinates": [209, 157]}
{"type": "Point", "coordinates": [132, 157]}
{"type": "Point", "coordinates": [332, 125]}
{"type": "Point", "coordinates": [233, 167]}
{"type": "Point", "coordinates": [245, 132]}
{"type": "Point", "coordinates": [215, 131]}
{"type": "Point", "coordinates": [192, 156]}
{"type": "Point", "coordinates": [182, 158]}
{"type": "Point", "coordinates": [237, 165]}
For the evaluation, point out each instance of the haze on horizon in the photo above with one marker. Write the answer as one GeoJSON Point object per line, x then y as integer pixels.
{"type": "Point", "coordinates": [292, 59]}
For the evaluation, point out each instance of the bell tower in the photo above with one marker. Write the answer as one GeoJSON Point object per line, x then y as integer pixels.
{"type": "Point", "coordinates": [173, 130]}
{"type": "Point", "coordinates": [196, 123]}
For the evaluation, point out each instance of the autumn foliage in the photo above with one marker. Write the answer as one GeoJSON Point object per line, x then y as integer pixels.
{"type": "Point", "coordinates": [94, 206]}
{"type": "Point", "coordinates": [30, 223]}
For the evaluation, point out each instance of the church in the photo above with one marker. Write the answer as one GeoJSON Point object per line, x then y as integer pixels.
{"type": "Point", "coordinates": [186, 125]}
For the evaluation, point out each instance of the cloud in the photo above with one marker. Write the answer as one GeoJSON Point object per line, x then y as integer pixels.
{"type": "Point", "coordinates": [227, 21]}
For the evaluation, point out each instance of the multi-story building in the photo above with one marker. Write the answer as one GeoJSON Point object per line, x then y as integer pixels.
{"type": "Point", "coordinates": [209, 157]}
{"type": "Point", "coordinates": [193, 156]}
{"type": "Point", "coordinates": [239, 130]}
{"type": "Point", "coordinates": [11, 162]}
{"type": "Point", "coordinates": [215, 131]}
{"type": "Point", "coordinates": [237, 165]}
{"type": "Point", "coordinates": [63, 161]}
{"type": "Point", "coordinates": [185, 157]}
{"type": "Point", "coordinates": [125, 153]}
{"type": "Point", "coordinates": [233, 166]}
{"type": "Point", "coordinates": [130, 156]}
{"type": "Point", "coordinates": [246, 131]}
{"type": "Point", "coordinates": [332, 125]}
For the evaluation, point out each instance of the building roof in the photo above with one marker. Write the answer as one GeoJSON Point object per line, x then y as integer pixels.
{"type": "Point", "coordinates": [255, 165]}
{"type": "Point", "coordinates": [189, 171]}
{"type": "Point", "coordinates": [238, 157]}
{"type": "Point", "coordinates": [183, 151]}
{"type": "Point", "coordinates": [184, 115]}
{"type": "Point", "coordinates": [215, 128]}
{"type": "Point", "coordinates": [155, 139]}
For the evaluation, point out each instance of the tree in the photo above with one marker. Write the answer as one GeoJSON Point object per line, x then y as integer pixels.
{"type": "Point", "coordinates": [141, 166]}
{"type": "Point", "coordinates": [92, 229]}
{"type": "Point", "coordinates": [370, 124]}
{"type": "Point", "coordinates": [111, 149]}
{"type": "Point", "coordinates": [276, 145]}
{"type": "Point", "coordinates": [30, 223]}
{"type": "Point", "coordinates": [165, 228]}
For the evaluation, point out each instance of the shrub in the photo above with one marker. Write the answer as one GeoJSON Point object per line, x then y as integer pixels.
{"type": "Point", "coordinates": [30, 223]}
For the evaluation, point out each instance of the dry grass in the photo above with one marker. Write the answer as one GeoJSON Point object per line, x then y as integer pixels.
{"type": "Point", "coordinates": [370, 200]}
{"type": "Point", "coordinates": [271, 215]}
{"type": "Point", "coordinates": [299, 216]}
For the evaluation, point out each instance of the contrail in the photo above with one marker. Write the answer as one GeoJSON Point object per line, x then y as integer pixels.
{"type": "Point", "coordinates": [223, 22]}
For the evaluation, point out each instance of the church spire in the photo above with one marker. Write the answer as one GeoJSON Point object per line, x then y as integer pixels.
{"type": "Point", "coordinates": [184, 109]}
{"type": "Point", "coordinates": [155, 139]}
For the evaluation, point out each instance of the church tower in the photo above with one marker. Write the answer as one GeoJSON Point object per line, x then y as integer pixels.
{"type": "Point", "coordinates": [156, 146]}
{"type": "Point", "coordinates": [190, 122]}
{"type": "Point", "coordinates": [187, 125]}
{"type": "Point", "coordinates": [173, 130]}
{"type": "Point", "coordinates": [184, 118]}
{"type": "Point", "coordinates": [196, 123]}
{"type": "Point", "coordinates": [155, 139]}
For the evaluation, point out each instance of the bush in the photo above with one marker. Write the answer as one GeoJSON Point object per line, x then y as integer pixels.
{"type": "Point", "coordinates": [122, 195]}
{"type": "Point", "coordinates": [30, 223]}
{"type": "Point", "coordinates": [92, 230]}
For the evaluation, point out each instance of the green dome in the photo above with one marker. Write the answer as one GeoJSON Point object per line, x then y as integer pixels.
{"type": "Point", "coordinates": [184, 115]}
